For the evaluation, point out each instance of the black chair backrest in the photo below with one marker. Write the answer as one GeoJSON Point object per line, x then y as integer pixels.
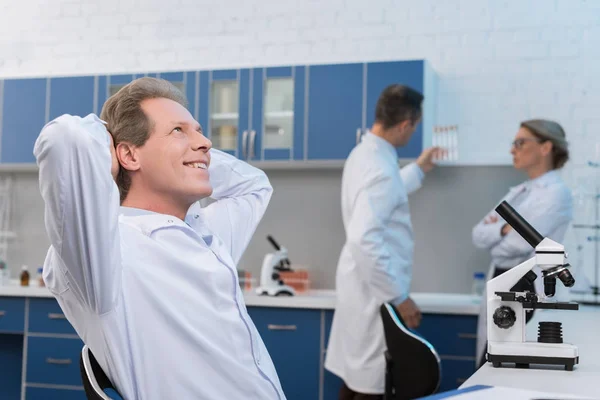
{"type": "Point", "coordinates": [94, 379]}
{"type": "Point", "coordinates": [413, 365]}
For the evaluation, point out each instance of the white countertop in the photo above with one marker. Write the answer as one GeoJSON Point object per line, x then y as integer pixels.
{"type": "Point", "coordinates": [580, 328]}
{"type": "Point", "coordinates": [433, 303]}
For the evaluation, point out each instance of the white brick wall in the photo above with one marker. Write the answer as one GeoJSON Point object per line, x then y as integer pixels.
{"type": "Point", "coordinates": [499, 61]}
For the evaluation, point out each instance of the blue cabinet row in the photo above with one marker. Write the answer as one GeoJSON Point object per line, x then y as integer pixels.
{"type": "Point", "coordinates": [35, 332]}
{"type": "Point", "coordinates": [293, 113]}
{"type": "Point", "coordinates": [41, 348]}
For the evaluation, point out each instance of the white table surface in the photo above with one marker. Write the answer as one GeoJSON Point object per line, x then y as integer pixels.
{"type": "Point", "coordinates": [443, 303]}
{"type": "Point", "coordinates": [581, 328]}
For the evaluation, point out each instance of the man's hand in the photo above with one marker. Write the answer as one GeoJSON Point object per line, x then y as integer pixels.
{"type": "Point", "coordinates": [410, 313]}
{"type": "Point", "coordinates": [425, 160]}
{"type": "Point", "coordinates": [114, 167]}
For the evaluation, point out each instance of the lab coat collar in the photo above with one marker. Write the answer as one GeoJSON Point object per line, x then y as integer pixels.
{"type": "Point", "coordinates": [541, 181]}
{"type": "Point", "coordinates": [150, 221]}
{"type": "Point", "coordinates": [381, 143]}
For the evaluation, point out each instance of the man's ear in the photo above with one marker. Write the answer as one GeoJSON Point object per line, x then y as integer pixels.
{"type": "Point", "coordinates": [128, 156]}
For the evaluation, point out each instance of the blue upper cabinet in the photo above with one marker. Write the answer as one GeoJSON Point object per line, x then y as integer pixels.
{"type": "Point", "coordinates": [277, 114]}
{"type": "Point", "coordinates": [223, 110]}
{"type": "Point", "coordinates": [74, 95]}
{"type": "Point", "coordinates": [24, 111]}
{"type": "Point", "coordinates": [335, 110]}
{"type": "Point", "coordinates": [409, 73]}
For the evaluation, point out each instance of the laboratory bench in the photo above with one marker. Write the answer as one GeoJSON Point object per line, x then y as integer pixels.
{"type": "Point", "coordinates": [42, 349]}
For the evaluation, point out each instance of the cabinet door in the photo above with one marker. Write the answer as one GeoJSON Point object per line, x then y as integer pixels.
{"type": "Point", "coordinates": [335, 110]}
{"type": "Point", "coordinates": [23, 114]}
{"type": "Point", "coordinates": [292, 337]}
{"type": "Point", "coordinates": [53, 361]}
{"type": "Point", "coordinates": [277, 117]}
{"type": "Point", "coordinates": [382, 74]}
{"type": "Point", "coordinates": [74, 95]}
{"type": "Point", "coordinates": [331, 383]}
{"type": "Point", "coordinates": [116, 82]}
{"type": "Point", "coordinates": [11, 357]}
{"type": "Point", "coordinates": [226, 110]}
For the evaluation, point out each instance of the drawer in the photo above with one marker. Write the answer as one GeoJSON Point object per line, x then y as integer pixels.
{"type": "Point", "coordinates": [12, 314]}
{"type": "Point", "coordinates": [45, 316]}
{"type": "Point", "coordinates": [54, 361]}
{"type": "Point", "coordinates": [454, 335]}
{"type": "Point", "coordinates": [455, 373]}
{"type": "Point", "coordinates": [36, 393]}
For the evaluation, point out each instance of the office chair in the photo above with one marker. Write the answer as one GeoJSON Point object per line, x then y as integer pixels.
{"type": "Point", "coordinates": [95, 382]}
{"type": "Point", "coordinates": [413, 367]}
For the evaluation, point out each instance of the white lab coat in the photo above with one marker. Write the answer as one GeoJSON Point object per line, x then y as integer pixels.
{"type": "Point", "coordinates": [546, 203]}
{"type": "Point", "coordinates": [155, 298]}
{"type": "Point", "coordinates": [375, 263]}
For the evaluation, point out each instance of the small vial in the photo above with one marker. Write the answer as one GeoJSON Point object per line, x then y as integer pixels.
{"type": "Point", "coordinates": [40, 277]}
{"type": "Point", "coordinates": [24, 276]}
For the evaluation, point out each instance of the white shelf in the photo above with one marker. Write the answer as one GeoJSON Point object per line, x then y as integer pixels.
{"type": "Point", "coordinates": [280, 114]}
{"type": "Point", "coordinates": [224, 116]}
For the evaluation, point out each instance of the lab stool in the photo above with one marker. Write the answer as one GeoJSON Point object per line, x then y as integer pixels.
{"type": "Point", "coordinates": [413, 367]}
{"type": "Point", "coordinates": [95, 382]}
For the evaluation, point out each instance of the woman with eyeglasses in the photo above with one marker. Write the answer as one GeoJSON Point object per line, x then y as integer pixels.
{"type": "Point", "coordinates": [540, 150]}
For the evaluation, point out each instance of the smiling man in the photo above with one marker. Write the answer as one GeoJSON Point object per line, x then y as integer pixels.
{"type": "Point", "coordinates": [146, 275]}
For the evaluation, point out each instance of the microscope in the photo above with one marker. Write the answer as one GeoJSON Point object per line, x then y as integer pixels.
{"type": "Point", "coordinates": [506, 308]}
{"type": "Point", "coordinates": [271, 283]}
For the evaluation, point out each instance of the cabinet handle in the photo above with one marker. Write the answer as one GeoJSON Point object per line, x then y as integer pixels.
{"type": "Point", "coordinates": [358, 135]}
{"type": "Point", "coordinates": [252, 138]}
{"type": "Point", "coordinates": [58, 361]}
{"type": "Point", "coordinates": [56, 316]}
{"type": "Point", "coordinates": [281, 327]}
{"type": "Point", "coordinates": [2, 313]}
{"type": "Point", "coordinates": [467, 336]}
{"type": "Point", "coordinates": [244, 144]}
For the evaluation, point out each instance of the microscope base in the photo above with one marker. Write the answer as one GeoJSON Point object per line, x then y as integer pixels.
{"type": "Point", "coordinates": [525, 361]}
{"type": "Point", "coordinates": [524, 354]}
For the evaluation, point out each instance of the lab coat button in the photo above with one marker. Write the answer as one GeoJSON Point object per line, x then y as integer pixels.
{"type": "Point", "coordinates": [196, 216]}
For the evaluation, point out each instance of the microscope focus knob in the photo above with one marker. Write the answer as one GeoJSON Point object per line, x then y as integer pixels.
{"type": "Point", "coordinates": [504, 317]}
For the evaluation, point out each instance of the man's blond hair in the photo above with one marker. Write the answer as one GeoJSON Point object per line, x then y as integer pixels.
{"type": "Point", "coordinates": [127, 122]}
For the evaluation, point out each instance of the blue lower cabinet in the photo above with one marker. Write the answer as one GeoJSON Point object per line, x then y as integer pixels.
{"type": "Point", "coordinates": [12, 314]}
{"type": "Point", "coordinates": [455, 372]}
{"type": "Point", "coordinates": [53, 361]}
{"type": "Point", "coordinates": [331, 382]}
{"type": "Point", "coordinates": [11, 356]}
{"type": "Point", "coordinates": [292, 338]}
{"type": "Point", "coordinates": [36, 393]}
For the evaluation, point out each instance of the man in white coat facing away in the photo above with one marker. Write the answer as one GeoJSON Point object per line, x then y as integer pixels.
{"type": "Point", "coordinates": [376, 261]}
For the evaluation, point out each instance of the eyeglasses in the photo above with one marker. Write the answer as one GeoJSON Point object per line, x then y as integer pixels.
{"type": "Point", "coordinates": [518, 143]}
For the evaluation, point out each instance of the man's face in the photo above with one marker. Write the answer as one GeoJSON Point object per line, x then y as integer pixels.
{"type": "Point", "coordinates": [174, 160]}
